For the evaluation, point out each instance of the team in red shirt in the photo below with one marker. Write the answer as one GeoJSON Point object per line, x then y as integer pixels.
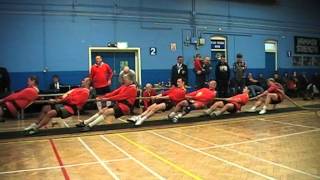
{"type": "Point", "coordinates": [164, 102]}
{"type": "Point", "coordinates": [273, 95]}
{"type": "Point", "coordinates": [10, 105]}
{"type": "Point", "coordinates": [232, 104]}
{"type": "Point", "coordinates": [64, 107]}
{"type": "Point", "coordinates": [124, 98]}
{"type": "Point", "coordinates": [195, 100]}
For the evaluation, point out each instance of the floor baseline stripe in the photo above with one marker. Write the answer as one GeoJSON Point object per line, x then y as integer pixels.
{"type": "Point", "coordinates": [168, 162]}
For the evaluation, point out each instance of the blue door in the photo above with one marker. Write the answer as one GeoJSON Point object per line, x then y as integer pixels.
{"type": "Point", "coordinates": [116, 60]}
{"type": "Point", "coordinates": [270, 58]}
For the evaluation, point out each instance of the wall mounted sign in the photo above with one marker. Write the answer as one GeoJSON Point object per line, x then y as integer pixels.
{"type": "Point", "coordinates": [153, 51]}
{"type": "Point", "coordinates": [306, 45]}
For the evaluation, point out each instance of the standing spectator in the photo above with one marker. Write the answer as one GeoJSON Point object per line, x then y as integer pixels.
{"type": "Point", "coordinates": [239, 68]}
{"type": "Point", "coordinates": [101, 75]}
{"type": "Point", "coordinates": [291, 85]}
{"type": "Point", "coordinates": [179, 70]}
{"type": "Point", "coordinates": [208, 68]}
{"type": "Point", "coordinates": [223, 76]}
{"type": "Point", "coordinates": [278, 79]}
{"type": "Point", "coordinates": [55, 84]}
{"type": "Point", "coordinates": [302, 86]}
{"type": "Point", "coordinates": [199, 71]}
{"type": "Point", "coordinates": [253, 85]}
{"type": "Point", "coordinates": [313, 86]}
{"type": "Point", "coordinates": [262, 81]}
{"type": "Point", "coordinates": [4, 82]}
{"type": "Point", "coordinates": [126, 71]}
{"type": "Point", "coordinates": [148, 92]}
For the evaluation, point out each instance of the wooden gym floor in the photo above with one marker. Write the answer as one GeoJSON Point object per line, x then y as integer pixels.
{"type": "Point", "coordinates": [277, 146]}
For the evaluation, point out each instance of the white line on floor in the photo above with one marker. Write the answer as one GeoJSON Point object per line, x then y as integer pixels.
{"type": "Point", "coordinates": [254, 157]}
{"type": "Point", "coordinates": [262, 139]}
{"type": "Point", "coordinates": [214, 157]}
{"type": "Point", "coordinates": [133, 158]}
{"type": "Point", "coordinates": [98, 159]}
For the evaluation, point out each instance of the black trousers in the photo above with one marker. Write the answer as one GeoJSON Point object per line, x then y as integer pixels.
{"type": "Point", "coordinates": [223, 88]}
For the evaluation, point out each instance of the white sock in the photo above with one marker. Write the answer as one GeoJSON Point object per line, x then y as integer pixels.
{"type": "Point", "coordinates": [179, 115]}
{"type": "Point", "coordinates": [254, 107]}
{"type": "Point", "coordinates": [92, 118]}
{"type": "Point", "coordinates": [264, 107]}
{"type": "Point", "coordinates": [218, 113]}
{"type": "Point", "coordinates": [99, 105]}
{"type": "Point", "coordinates": [172, 114]}
{"type": "Point", "coordinates": [96, 121]}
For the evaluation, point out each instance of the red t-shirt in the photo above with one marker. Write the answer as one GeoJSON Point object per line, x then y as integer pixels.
{"type": "Point", "coordinates": [100, 75]}
{"type": "Point", "coordinates": [274, 88]}
{"type": "Point", "coordinates": [204, 95]}
{"type": "Point", "coordinates": [197, 64]}
{"type": "Point", "coordinates": [148, 94]}
{"type": "Point", "coordinates": [77, 97]}
{"type": "Point", "coordinates": [239, 100]}
{"type": "Point", "coordinates": [123, 93]}
{"type": "Point", "coordinates": [21, 99]}
{"type": "Point", "coordinates": [175, 94]}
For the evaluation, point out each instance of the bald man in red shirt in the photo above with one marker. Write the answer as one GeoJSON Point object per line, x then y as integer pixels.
{"type": "Point", "coordinates": [195, 100]}
{"type": "Point", "coordinates": [124, 98]}
{"type": "Point", "coordinates": [63, 107]}
{"type": "Point", "coordinates": [232, 104]}
{"type": "Point", "coordinates": [164, 102]}
{"type": "Point", "coordinates": [10, 105]}
{"type": "Point", "coordinates": [273, 95]}
{"type": "Point", "coordinates": [101, 75]}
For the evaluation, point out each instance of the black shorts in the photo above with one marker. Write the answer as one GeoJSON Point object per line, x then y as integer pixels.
{"type": "Point", "coordinates": [117, 111]}
{"type": "Point", "coordinates": [168, 104]}
{"type": "Point", "coordinates": [102, 90]}
{"type": "Point", "coordinates": [6, 112]}
{"type": "Point", "coordinates": [61, 111]}
{"type": "Point", "coordinates": [233, 110]}
{"type": "Point", "coordinates": [279, 100]}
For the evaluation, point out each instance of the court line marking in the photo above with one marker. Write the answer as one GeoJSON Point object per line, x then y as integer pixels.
{"type": "Point", "coordinates": [66, 166]}
{"type": "Point", "coordinates": [57, 155]}
{"type": "Point", "coordinates": [98, 159]}
{"type": "Point", "coordinates": [252, 156]}
{"type": "Point", "coordinates": [122, 120]}
{"type": "Point", "coordinates": [286, 123]}
{"type": "Point", "coordinates": [133, 158]}
{"type": "Point", "coordinates": [262, 139]}
{"type": "Point", "coordinates": [213, 156]}
{"type": "Point", "coordinates": [168, 162]}
{"type": "Point", "coordinates": [66, 124]}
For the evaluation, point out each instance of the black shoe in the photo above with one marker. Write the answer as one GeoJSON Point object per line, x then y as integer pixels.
{"type": "Point", "coordinates": [2, 120]}
{"type": "Point", "coordinates": [85, 129]}
{"type": "Point", "coordinates": [80, 125]}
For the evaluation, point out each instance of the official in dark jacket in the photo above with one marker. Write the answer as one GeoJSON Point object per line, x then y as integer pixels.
{"type": "Point", "coordinates": [179, 70]}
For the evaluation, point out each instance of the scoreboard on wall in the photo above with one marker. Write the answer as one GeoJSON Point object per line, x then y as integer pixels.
{"type": "Point", "coordinates": [306, 45]}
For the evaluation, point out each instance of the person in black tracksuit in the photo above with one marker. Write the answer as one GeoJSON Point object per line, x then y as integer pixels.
{"type": "Point", "coordinates": [4, 82]}
{"type": "Point", "coordinates": [222, 77]}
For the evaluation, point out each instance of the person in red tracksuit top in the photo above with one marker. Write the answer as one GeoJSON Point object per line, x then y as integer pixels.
{"type": "Point", "coordinates": [63, 107]}
{"type": "Point", "coordinates": [232, 104]}
{"type": "Point", "coordinates": [10, 105]}
{"type": "Point", "coordinates": [273, 95]}
{"type": "Point", "coordinates": [148, 92]}
{"type": "Point", "coordinates": [124, 98]}
{"type": "Point", "coordinates": [164, 101]}
{"type": "Point", "coordinates": [101, 75]}
{"type": "Point", "coordinates": [199, 71]}
{"type": "Point", "coordinates": [195, 100]}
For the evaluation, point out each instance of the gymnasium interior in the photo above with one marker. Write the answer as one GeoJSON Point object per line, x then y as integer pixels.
{"type": "Point", "coordinates": [171, 89]}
